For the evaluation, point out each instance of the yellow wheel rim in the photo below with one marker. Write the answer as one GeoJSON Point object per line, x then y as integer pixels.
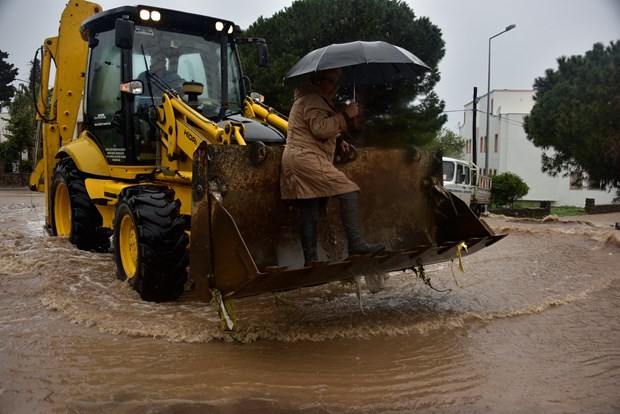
{"type": "Point", "coordinates": [128, 244]}
{"type": "Point", "coordinates": [62, 210]}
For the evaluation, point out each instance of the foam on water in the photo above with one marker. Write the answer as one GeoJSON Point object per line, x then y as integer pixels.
{"type": "Point", "coordinates": [84, 286]}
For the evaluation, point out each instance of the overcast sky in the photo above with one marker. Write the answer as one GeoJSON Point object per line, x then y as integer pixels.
{"type": "Point", "coordinates": [546, 29]}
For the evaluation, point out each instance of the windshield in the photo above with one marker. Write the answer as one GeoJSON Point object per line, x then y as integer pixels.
{"type": "Point", "coordinates": [448, 171]}
{"type": "Point", "coordinates": [176, 58]}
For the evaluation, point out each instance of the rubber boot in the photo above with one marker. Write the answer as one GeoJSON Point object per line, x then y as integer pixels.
{"type": "Point", "coordinates": [309, 221]}
{"type": "Point", "coordinates": [350, 219]}
{"type": "Point", "coordinates": [308, 243]}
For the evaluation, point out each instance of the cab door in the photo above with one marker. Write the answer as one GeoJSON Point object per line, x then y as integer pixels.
{"type": "Point", "coordinates": [463, 182]}
{"type": "Point", "coordinates": [102, 114]}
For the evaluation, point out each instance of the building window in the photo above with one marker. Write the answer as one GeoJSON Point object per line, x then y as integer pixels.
{"type": "Point", "coordinates": [481, 144]}
{"type": "Point", "coordinates": [576, 181]}
{"type": "Point", "coordinates": [496, 142]}
{"type": "Point", "coordinates": [593, 184]}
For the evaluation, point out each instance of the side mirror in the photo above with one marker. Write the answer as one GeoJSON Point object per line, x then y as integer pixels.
{"type": "Point", "coordinates": [262, 54]}
{"type": "Point", "coordinates": [124, 30]}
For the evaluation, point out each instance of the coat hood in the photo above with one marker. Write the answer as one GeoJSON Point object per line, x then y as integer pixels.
{"type": "Point", "coordinates": [307, 88]}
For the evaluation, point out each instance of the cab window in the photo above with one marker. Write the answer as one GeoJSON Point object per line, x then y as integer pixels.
{"type": "Point", "coordinates": [103, 100]}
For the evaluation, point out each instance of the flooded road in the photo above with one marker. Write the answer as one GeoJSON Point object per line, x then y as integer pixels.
{"type": "Point", "coordinates": [533, 326]}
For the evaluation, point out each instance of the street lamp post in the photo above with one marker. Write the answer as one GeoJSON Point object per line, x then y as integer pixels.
{"type": "Point", "coordinates": [486, 140]}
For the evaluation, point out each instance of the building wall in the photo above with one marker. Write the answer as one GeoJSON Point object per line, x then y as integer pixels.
{"type": "Point", "coordinates": [515, 153]}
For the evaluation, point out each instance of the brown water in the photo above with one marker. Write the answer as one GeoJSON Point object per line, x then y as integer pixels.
{"type": "Point", "coordinates": [533, 327]}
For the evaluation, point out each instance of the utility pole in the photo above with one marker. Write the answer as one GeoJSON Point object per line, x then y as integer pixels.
{"type": "Point", "coordinates": [473, 128]}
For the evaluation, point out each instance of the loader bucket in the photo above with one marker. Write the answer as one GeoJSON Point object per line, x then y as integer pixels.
{"type": "Point", "coordinates": [245, 239]}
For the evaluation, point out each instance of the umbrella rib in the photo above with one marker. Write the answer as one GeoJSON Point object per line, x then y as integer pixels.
{"type": "Point", "coordinates": [318, 62]}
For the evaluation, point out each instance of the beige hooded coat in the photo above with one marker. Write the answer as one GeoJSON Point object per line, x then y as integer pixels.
{"type": "Point", "coordinates": [308, 169]}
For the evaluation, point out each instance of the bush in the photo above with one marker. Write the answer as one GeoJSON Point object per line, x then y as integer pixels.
{"type": "Point", "coordinates": [25, 166]}
{"type": "Point", "coordinates": [507, 188]}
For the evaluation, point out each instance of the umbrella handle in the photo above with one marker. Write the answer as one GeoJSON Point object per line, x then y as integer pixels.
{"type": "Point", "coordinates": [354, 84]}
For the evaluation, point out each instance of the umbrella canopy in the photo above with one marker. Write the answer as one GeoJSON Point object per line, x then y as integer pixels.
{"type": "Point", "coordinates": [363, 63]}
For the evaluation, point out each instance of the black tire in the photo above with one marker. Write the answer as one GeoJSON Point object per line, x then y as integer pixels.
{"type": "Point", "coordinates": [477, 209]}
{"type": "Point", "coordinates": [150, 242]}
{"type": "Point", "coordinates": [73, 213]}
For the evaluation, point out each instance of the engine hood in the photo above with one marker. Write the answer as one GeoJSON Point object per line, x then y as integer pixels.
{"type": "Point", "coordinates": [256, 131]}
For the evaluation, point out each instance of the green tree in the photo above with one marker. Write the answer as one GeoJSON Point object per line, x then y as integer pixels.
{"type": "Point", "coordinates": [408, 111]}
{"type": "Point", "coordinates": [507, 188]}
{"type": "Point", "coordinates": [34, 80]}
{"type": "Point", "coordinates": [20, 129]}
{"type": "Point", "coordinates": [7, 155]}
{"type": "Point", "coordinates": [7, 75]}
{"type": "Point", "coordinates": [576, 115]}
{"type": "Point", "coordinates": [449, 142]}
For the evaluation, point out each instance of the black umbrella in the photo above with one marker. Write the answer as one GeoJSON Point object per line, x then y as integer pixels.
{"type": "Point", "coordinates": [363, 63]}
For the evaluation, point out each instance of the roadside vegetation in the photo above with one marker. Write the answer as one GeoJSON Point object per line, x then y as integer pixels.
{"type": "Point", "coordinates": [508, 187]}
{"type": "Point", "coordinates": [568, 211]}
{"type": "Point", "coordinates": [556, 210]}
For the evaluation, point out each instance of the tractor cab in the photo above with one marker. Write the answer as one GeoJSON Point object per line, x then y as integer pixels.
{"type": "Point", "coordinates": [136, 54]}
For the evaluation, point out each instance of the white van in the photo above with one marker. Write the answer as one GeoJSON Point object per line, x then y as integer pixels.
{"type": "Point", "coordinates": [463, 179]}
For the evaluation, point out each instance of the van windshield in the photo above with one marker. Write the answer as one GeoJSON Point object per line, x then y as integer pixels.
{"type": "Point", "coordinates": [448, 171]}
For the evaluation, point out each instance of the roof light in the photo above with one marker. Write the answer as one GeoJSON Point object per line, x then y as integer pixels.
{"type": "Point", "coordinates": [150, 15]}
{"type": "Point", "coordinates": [230, 29]}
{"type": "Point", "coordinates": [219, 26]}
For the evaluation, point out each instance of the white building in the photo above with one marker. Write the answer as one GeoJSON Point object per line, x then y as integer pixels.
{"type": "Point", "coordinates": [4, 119]}
{"type": "Point", "coordinates": [511, 151]}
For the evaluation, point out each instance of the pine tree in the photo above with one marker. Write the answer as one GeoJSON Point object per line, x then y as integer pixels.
{"type": "Point", "coordinates": [576, 114]}
{"type": "Point", "coordinates": [7, 75]}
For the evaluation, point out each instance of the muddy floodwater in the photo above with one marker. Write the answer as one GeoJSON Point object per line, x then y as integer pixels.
{"type": "Point", "coordinates": [533, 326]}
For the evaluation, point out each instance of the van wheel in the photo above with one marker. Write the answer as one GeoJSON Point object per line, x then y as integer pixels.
{"type": "Point", "coordinates": [477, 209]}
{"type": "Point", "coordinates": [150, 242]}
{"type": "Point", "coordinates": [73, 213]}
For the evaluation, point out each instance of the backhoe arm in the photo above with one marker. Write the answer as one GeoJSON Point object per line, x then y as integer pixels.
{"type": "Point", "coordinates": [57, 123]}
{"type": "Point", "coordinates": [183, 128]}
{"type": "Point", "coordinates": [255, 109]}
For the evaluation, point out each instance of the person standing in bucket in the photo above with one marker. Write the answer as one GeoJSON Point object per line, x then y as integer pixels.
{"type": "Point", "coordinates": [308, 174]}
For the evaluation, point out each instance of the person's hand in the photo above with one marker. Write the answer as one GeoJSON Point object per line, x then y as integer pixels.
{"type": "Point", "coordinates": [343, 148]}
{"type": "Point", "coordinates": [352, 110]}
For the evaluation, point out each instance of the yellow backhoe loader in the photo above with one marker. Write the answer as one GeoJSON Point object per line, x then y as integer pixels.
{"type": "Point", "coordinates": [152, 140]}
